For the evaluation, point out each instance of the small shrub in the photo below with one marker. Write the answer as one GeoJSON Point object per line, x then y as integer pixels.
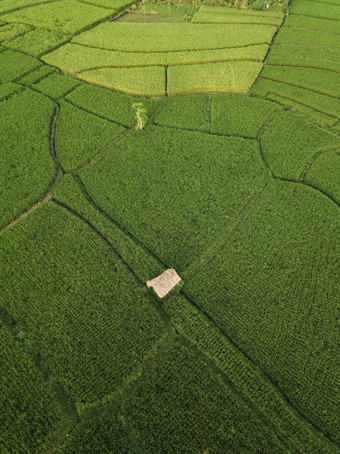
{"type": "Point", "coordinates": [141, 116]}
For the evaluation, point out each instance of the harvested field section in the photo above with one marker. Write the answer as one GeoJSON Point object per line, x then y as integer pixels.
{"type": "Point", "coordinates": [189, 187]}
{"type": "Point", "coordinates": [89, 320]}
{"type": "Point", "coordinates": [167, 59]}
{"type": "Point", "coordinates": [285, 241]}
{"type": "Point", "coordinates": [26, 166]}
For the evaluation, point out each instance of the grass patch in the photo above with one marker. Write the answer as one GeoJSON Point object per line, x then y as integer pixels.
{"type": "Point", "coordinates": [307, 98]}
{"type": "Point", "coordinates": [108, 104]}
{"type": "Point", "coordinates": [143, 264]}
{"type": "Point", "coordinates": [318, 80]}
{"type": "Point", "coordinates": [324, 174]}
{"type": "Point", "coordinates": [185, 112]}
{"type": "Point", "coordinates": [10, 31]}
{"type": "Point", "coordinates": [316, 9]}
{"type": "Point", "coordinates": [9, 89]}
{"type": "Point", "coordinates": [181, 396]}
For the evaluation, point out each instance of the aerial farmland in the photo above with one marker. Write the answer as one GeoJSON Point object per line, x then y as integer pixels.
{"type": "Point", "coordinates": [169, 226]}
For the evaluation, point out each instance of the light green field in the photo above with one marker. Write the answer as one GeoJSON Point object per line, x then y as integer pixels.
{"type": "Point", "coordinates": [233, 181]}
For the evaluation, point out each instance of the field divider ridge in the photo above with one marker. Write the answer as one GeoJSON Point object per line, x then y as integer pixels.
{"type": "Point", "coordinates": [201, 330]}
{"type": "Point", "coordinates": [117, 224]}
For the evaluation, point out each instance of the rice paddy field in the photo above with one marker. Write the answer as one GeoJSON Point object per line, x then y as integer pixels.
{"type": "Point", "coordinates": [233, 181]}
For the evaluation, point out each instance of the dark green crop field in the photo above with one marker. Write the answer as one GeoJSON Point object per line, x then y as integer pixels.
{"type": "Point", "coordinates": [201, 136]}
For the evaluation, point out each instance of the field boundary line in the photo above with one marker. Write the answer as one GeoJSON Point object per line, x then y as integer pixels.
{"type": "Point", "coordinates": [317, 17]}
{"type": "Point", "coordinates": [170, 65]}
{"type": "Point", "coordinates": [200, 131]}
{"type": "Point", "coordinates": [254, 368]}
{"type": "Point", "coordinates": [118, 396]}
{"type": "Point", "coordinates": [104, 241]}
{"type": "Point", "coordinates": [115, 223]}
{"type": "Point", "coordinates": [26, 7]}
{"type": "Point", "coordinates": [55, 181]}
{"type": "Point", "coordinates": [92, 113]}
{"type": "Point", "coordinates": [312, 159]}
{"type": "Point", "coordinates": [209, 110]}
{"type": "Point", "coordinates": [210, 253]}
{"type": "Point", "coordinates": [169, 51]}
{"type": "Point", "coordinates": [305, 67]}
{"type": "Point", "coordinates": [300, 86]}
{"type": "Point", "coordinates": [305, 185]}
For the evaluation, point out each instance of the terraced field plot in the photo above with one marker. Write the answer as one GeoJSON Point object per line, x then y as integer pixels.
{"type": "Point", "coordinates": [167, 59]}
{"type": "Point", "coordinates": [238, 192]}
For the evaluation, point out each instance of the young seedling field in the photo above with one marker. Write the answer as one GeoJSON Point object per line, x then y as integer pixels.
{"type": "Point", "coordinates": [230, 175]}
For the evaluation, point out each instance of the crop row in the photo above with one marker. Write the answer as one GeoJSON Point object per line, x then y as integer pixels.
{"type": "Point", "coordinates": [77, 304]}
{"type": "Point", "coordinates": [279, 257]}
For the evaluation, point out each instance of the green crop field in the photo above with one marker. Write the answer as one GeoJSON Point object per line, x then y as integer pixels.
{"type": "Point", "coordinates": [200, 136]}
